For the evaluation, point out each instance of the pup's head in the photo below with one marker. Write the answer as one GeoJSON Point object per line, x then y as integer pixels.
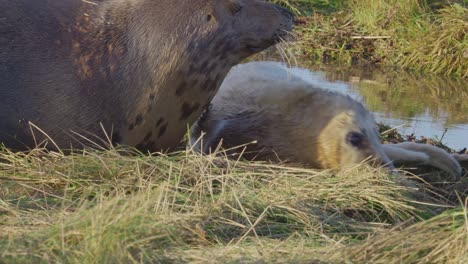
{"type": "Point", "coordinates": [351, 137]}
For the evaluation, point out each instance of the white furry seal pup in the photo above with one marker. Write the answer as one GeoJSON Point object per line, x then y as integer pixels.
{"type": "Point", "coordinates": [291, 119]}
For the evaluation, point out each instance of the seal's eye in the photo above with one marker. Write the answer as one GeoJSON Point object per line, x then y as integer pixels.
{"type": "Point", "coordinates": [234, 7]}
{"type": "Point", "coordinates": [355, 139]}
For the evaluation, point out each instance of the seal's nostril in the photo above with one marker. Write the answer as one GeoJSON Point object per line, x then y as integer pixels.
{"type": "Point", "coordinates": [285, 12]}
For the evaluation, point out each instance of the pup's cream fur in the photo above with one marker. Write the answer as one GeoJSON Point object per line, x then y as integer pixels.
{"type": "Point", "coordinates": [291, 119]}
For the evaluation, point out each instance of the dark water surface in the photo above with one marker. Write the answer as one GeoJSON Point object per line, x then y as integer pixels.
{"type": "Point", "coordinates": [426, 105]}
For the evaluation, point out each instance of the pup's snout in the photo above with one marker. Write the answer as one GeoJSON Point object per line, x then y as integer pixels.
{"type": "Point", "coordinates": [383, 160]}
{"type": "Point", "coordinates": [389, 165]}
{"type": "Point", "coordinates": [380, 158]}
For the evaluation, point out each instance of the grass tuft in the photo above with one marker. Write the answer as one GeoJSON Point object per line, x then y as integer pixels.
{"type": "Point", "coordinates": [442, 239]}
{"type": "Point", "coordinates": [109, 206]}
{"type": "Point", "coordinates": [428, 36]}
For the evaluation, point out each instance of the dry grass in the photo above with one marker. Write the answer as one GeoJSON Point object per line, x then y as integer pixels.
{"type": "Point", "coordinates": [110, 206]}
{"type": "Point", "coordinates": [442, 239]}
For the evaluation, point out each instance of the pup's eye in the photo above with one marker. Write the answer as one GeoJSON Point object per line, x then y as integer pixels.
{"type": "Point", "coordinates": [355, 139]}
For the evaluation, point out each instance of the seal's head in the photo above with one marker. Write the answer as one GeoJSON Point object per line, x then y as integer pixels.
{"type": "Point", "coordinates": [212, 27]}
{"type": "Point", "coordinates": [259, 32]}
{"type": "Point", "coordinates": [196, 47]}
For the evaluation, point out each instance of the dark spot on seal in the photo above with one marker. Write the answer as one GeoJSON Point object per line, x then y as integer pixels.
{"type": "Point", "coordinates": [207, 85]}
{"type": "Point", "coordinates": [145, 146]}
{"type": "Point", "coordinates": [149, 109]}
{"type": "Point", "coordinates": [138, 119]}
{"type": "Point", "coordinates": [140, 146]}
{"type": "Point", "coordinates": [203, 66]}
{"type": "Point", "coordinates": [151, 96]}
{"type": "Point", "coordinates": [187, 110]}
{"type": "Point", "coordinates": [218, 79]}
{"type": "Point", "coordinates": [225, 47]}
{"type": "Point", "coordinates": [181, 88]}
{"type": "Point", "coordinates": [192, 68]}
{"type": "Point", "coordinates": [194, 82]}
{"type": "Point", "coordinates": [162, 130]}
{"type": "Point", "coordinates": [223, 56]}
{"type": "Point", "coordinates": [211, 67]}
{"type": "Point", "coordinates": [160, 120]}
{"type": "Point", "coordinates": [228, 47]}
{"type": "Point", "coordinates": [208, 17]}
{"type": "Point", "coordinates": [116, 138]}
{"type": "Point", "coordinates": [148, 135]}
{"type": "Point", "coordinates": [131, 126]}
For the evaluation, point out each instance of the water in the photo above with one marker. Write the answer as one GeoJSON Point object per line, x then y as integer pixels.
{"type": "Point", "coordinates": [427, 106]}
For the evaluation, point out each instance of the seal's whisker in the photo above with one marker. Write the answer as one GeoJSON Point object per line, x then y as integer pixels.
{"type": "Point", "coordinates": [286, 53]}
{"type": "Point", "coordinates": [282, 47]}
{"type": "Point", "coordinates": [284, 56]}
{"type": "Point", "coordinates": [289, 37]}
{"type": "Point", "coordinates": [285, 49]}
{"type": "Point", "coordinates": [281, 53]}
{"type": "Point", "coordinates": [292, 45]}
{"type": "Point", "coordinates": [289, 49]}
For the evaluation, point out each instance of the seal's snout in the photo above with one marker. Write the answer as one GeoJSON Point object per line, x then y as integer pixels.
{"type": "Point", "coordinates": [260, 25]}
{"type": "Point", "coordinates": [285, 25]}
{"type": "Point", "coordinates": [285, 12]}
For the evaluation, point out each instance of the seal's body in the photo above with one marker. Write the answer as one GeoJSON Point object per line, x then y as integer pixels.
{"type": "Point", "coordinates": [143, 69]}
{"type": "Point", "coordinates": [291, 119]}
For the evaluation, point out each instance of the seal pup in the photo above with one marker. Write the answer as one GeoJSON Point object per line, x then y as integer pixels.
{"type": "Point", "coordinates": [291, 119]}
{"type": "Point", "coordinates": [141, 70]}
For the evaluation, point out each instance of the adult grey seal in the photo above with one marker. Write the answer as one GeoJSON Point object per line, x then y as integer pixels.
{"type": "Point", "coordinates": [140, 70]}
{"type": "Point", "coordinates": [291, 119]}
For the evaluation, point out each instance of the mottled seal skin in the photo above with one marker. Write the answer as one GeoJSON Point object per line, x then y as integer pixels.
{"type": "Point", "coordinates": [144, 69]}
{"type": "Point", "coordinates": [292, 120]}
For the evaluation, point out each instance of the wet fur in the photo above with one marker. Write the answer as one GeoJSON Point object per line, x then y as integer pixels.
{"type": "Point", "coordinates": [291, 119]}
{"type": "Point", "coordinates": [144, 69]}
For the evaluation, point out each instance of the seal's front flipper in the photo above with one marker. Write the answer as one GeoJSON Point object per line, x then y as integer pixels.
{"type": "Point", "coordinates": [423, 154]}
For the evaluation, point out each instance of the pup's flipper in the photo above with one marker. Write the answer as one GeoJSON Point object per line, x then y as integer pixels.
{"type": "Point", "coordinates": [460, 157]}
{"type": "Point", "coordinates": [423, 154]}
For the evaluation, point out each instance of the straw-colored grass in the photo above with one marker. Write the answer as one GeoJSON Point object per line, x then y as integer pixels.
{"type": "Point", "coordinates": [442, 239]}
{"type": "Point", "coordinates": [118, 206]}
